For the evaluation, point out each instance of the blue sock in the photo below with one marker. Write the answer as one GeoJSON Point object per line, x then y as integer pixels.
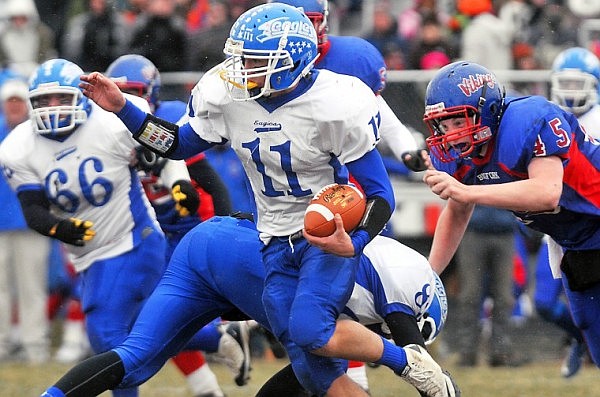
{"type": "Point", "coordinates": [53, 392]}
{"type": "Point", "coordinates": [393, 357]}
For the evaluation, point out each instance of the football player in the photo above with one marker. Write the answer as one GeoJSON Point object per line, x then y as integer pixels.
{"type": "Point", "coordinates": [79, 187]}
{"type": "Point", "coordinates": [137, 75]}
{"type": "Point", "coordinates": [269, 102]}
{"type": "Point", "coordinates": [396, 292]}
{"type": "Point", "coordinates": [524, 154]}
{"type": "Point", "coordinates": [574, 87]}
{"type": "Point", "coordinates": [357, 57]}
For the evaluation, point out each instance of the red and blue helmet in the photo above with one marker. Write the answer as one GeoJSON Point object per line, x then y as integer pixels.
{"type": "Point", "coordinates": [462, 90]}
{"type": "Point", "coordinates": [59, 78]}
{"type": "Point", "coordinates": [137, 75]}
{"type": "Point", "coordinates": [278, 35]}
{"type": "Point", "coordinates": [317, 11]}
{"type": "Point", "coordinates": [574, 80]}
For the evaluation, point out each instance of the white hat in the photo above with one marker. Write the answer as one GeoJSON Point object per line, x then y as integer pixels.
{"type": "Point", "coordinates": [14, 88]}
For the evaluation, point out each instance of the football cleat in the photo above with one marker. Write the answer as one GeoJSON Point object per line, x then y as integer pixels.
{"type": "Point", "coordinates": [574, 359]}
{"type": "Point", "coordinates": [234, 350]}
{"type": "Point", "coordinates": [426, 375]}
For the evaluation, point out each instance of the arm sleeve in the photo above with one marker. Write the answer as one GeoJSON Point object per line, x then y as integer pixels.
{"type": "Point", "coordinates": [205, 176]}
{"type": "Point", "coordinates": [36, 210]}
{"type": "Point", "coordinates": [373, 178]}
{"type": "Point", "coordinates": [186, 142]}
{"type": "Point", "coordinates": [395, 134]}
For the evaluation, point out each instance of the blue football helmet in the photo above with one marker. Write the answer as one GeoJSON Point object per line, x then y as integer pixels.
{"type": "Point", "coordinates": [574, 80]}
{"type": "Point", "coordinates": [274, 41]}
{"type": "Point", "coordinates": [57, 78]}
{"type": "Point", "coordinates": [433, 320]}
{"type": "Point", "coordinates": [136, 75]}
{"type": "Point", "coordinates": [317, 11]}
{"type": "Point", "coordinates": [469, 92]}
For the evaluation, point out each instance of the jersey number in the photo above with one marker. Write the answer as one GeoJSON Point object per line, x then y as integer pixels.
{"type": "Point", "coordinates": [286, 164]}
{"type": "Point", "coordinates": [95, 191]}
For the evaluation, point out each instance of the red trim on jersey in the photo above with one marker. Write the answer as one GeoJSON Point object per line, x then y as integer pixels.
{"type": "Point", "coordinates": [582, 176]}
{"type": "Point", "coordinates": [194, 159]}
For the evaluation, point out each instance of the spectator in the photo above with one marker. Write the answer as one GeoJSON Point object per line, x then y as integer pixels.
{"type": "Point", "coordinates": [204, 47]}
{"type": "Point", "coordinates": [385, 29]}
{"type": "Point", "coordinates": [97, 36]}
{"type": "Point", "coordinates": [431, 50]}
{"type": "Point", "coordinates": [160, 35]}
{"type": "Point", "coordinates": [25, 41]}
{"type": "Point", "coordinates": [23, 252]}
{"type": "Point", "coordinates": [484, 260]}
{"type": "Point", "coordinates": [486, 39]}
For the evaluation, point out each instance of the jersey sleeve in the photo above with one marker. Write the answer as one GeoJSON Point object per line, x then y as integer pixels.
{"type": "Point", "coordinates": [15, 169]}
{"type": "Point", "coordinates": [359, 122]}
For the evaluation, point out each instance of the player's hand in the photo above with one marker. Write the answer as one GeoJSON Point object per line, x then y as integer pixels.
{"type": "Point", "coordinates": [103, 91]}
{"type": "Point", "coordinates": [446, 186]}
{"type": "Point", "coordinates": [186, 198]}
{"type": "Point", "coordinates": [73, 231]}
{"type": "Point", "coordinates": [339, 243]}
{"type": "Point", "coordinates": [148, 161]}
{"type": "Point", "coordinates": [417, 160]}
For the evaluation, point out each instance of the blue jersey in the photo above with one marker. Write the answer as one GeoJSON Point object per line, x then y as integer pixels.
{"type": "Point", "coordinates": [354, 56]}
{"type": "Point", "coordinates": [533, 127]}
{"type": "Point", "coordinates": [172, 111]}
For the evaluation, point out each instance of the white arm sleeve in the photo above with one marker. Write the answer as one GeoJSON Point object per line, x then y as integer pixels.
{"type": "Point", "coordinates": [173, 171]}
{"type": "Point", "coordinates": [393, 133]}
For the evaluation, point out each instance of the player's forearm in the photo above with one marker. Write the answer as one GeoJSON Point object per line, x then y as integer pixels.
{"type": "Point", "coordinates": [449, 231]}
{"type": "Point", "coordinates": [160, 136]}
{"type": "Point", "coordinates": [525, 195]}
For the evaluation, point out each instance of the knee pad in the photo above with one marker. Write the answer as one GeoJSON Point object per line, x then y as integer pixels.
{"type": "Point", "coordinates": [311, 325]}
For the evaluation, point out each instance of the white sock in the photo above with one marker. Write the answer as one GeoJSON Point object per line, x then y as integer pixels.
{"type": "Point", "coordinates": [203, 381]}
{"type": "Point", "coordinates": [359, 375]}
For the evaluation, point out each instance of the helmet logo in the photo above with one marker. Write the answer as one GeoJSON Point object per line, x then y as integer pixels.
{"type": "Point", "coordinates": [280, 26]}
{"type": "Point", "coordinates": [473, 83]}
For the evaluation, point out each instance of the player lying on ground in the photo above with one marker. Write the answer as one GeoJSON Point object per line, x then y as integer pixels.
{"type": "Point", "coordinates": [199, 282]}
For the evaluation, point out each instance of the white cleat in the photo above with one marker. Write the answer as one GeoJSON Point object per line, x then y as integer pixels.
{"type": "Point", "coordinates": [234, 350]}
{"type": "Point", "coordinates": [426, 375]}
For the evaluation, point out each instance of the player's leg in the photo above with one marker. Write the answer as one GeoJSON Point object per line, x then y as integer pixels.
{"type": "Point", "coordinates": [114, 291]}
{"type": "Point", "coordinates": [201, 380]}
{"type": "Point", "coordinates": [357, 371]}
{"type": "Point", "coordinates": [586, 314]}
{"type": "Point", "coordinates": [550, 307]}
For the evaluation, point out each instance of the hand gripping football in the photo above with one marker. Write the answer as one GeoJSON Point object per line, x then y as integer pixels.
{"type": "Point", "coordinates": [345, 200]}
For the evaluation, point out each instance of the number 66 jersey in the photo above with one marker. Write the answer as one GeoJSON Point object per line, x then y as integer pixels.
{"type": "Point", "coordinates": [85, 175]}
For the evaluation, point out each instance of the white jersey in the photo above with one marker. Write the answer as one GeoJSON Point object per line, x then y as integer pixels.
{"type": "Point", "coordinates": [88, 176]}
{"type": "Point", "coordinates": [590, 121]}
{"type": "Point", "coordinates": [391, 278]}
{"type": "Point", "coordinates": [292, 151]}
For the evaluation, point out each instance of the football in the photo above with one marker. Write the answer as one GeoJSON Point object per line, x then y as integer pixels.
{"type": "Point", "coordinates": [345, 200]}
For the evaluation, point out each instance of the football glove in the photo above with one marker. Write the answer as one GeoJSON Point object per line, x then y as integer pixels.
{"type": "Point", "coordinates": [148, 161]}
{"type": "Point", "coordinates": [414, 160]}
{"type": "Point", "coordinates": [186, 198]}
{"type": "Point", "coordinates": [73, 231]}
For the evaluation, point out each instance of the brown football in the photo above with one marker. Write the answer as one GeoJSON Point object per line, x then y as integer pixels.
{"type": "Point", "coordinates": [345, 200]}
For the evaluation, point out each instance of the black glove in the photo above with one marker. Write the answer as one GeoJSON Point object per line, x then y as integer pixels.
{"type": "Point", "coordinates": [186, 198]}
{"type": "Point", "coordinates": [73, 231]}
{"type": "Point", "coordinates": [148, 161]}
{"type": "Point", "coordinates": [414, 160]}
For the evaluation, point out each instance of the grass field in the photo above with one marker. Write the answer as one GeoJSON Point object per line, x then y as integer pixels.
{"type": "Point", "coordinates": [541, 379]}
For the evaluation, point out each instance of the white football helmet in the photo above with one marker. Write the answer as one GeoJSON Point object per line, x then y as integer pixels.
{"type": "Point", "coordinates": [57, 77]}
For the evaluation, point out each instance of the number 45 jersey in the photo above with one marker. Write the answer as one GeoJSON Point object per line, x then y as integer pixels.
{"type": "Point", "coordinates": [86, 176]}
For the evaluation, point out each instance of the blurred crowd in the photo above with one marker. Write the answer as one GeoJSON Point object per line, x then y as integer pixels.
{"type": "Point", "coordinates": [188, 35]}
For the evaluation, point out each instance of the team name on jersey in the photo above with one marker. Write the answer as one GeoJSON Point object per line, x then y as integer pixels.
{"type": "Point", "coordinates": [266, 126]}
{"type": "Point", "coordinates": [486, 176]}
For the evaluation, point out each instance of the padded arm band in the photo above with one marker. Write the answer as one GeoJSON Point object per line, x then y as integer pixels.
{"type": "Point", "coordinates": [158, 135]}
{"type": "Point", "coordinates": [36, 210]}
{"type": "Point", "coordinates": [376, 215]}
{"type": "Point", "coordinates": [404, 329]}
